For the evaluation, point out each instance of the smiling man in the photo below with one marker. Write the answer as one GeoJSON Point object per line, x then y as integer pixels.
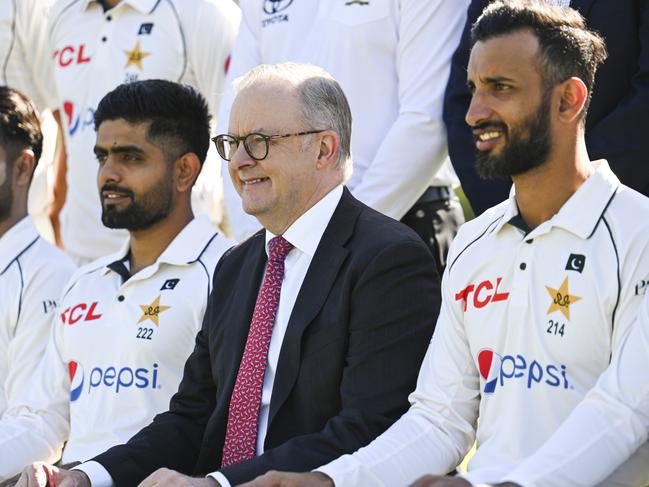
{"type": "Point", "coordinates": [317, 324]}
{"type": "Point", "coordinates": [540, 291]}
{"type": "Point", "coordinates": [126, 322]}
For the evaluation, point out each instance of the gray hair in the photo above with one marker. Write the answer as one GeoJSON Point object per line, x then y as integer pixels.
{"type": "Point", "coordinates": [324, 104]}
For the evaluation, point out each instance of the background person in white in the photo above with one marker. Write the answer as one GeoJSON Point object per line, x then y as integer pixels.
{"type": "Point", "coordinates": [540, 290]}
{"type": "Point", "coordinates": [32, 271]}
{"type": "Point", "coordinates": [392, 59]}
{"type": "Point", "coordinates": [128, 321]}
{"type": "Point", "coordinates": [97, 45]}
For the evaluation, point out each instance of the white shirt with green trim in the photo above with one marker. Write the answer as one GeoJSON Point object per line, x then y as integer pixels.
{"type": "Point", "coordinates": [529, 322]}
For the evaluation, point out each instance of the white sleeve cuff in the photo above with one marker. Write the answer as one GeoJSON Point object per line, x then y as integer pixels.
{"type": "Point", "coordinates": [98, 475]}
{"type": "Point", "coordinates": [220, 478]}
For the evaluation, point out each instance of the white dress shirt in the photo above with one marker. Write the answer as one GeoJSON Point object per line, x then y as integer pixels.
{"type": "Point", "coordinates": [392, 59]}
{"type": "Point", "coordinates": [305, 234]}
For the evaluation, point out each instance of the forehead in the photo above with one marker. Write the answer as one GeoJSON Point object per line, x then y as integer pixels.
{"type": "Point", "coordinates": [268, 106]}
{"type": "Point", "coordinates": [120, 132]}
{"type": "Point", "coordinates": [512, 56]}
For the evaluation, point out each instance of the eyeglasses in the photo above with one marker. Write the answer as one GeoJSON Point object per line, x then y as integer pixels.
{"type": "Point", "coordinates": [256, 145]}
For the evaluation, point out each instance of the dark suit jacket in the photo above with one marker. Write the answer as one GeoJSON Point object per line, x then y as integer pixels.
{"type": "Point", "coordinates": [350, 357]}
{"type": "Point", "coordinates": [616, 125]}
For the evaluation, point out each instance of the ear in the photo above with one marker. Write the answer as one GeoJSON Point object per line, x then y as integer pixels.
{"type": "Point", "coordinates": [573, 94]}
{"type": "Point", "coordinates": [327, 149]}
{"type": "Point", "coordinates": [187, 167]}
{"type": "Point", "coordinates": [24, 168]}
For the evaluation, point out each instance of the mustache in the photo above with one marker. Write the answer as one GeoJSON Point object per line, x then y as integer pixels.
{"type": "Point", "coordinates": [116, 189]}
{"type": "Point", "coordinates": [490, 125]}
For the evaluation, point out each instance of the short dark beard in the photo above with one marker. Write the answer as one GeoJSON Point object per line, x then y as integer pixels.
{"type": "Point", "coordinates": [528, 145]}
{"type": "Point", "coordinates": [149, 209]}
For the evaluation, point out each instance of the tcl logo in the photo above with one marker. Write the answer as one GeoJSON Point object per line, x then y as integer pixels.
{"type": "Point", "coordinates": [481, 294]}
{"type": "Point", "coordinates": [80, 312]}
{"type": "Point", "coordinates": [70, 54]}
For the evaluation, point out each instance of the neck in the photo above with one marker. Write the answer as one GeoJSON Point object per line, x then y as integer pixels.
{"type": "Point", "coordinates": [17, 213]}
{"type": "Point", "coordinates": [108, 4]}
{"type": "Point", "coordinates": [541, 192]}
{"type": "Point", "coordinates": [148, 244]}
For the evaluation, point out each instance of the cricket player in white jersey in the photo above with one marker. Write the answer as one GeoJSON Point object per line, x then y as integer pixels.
{"type": "Point", "coordinates": [32, 271]}
{"type": "Point", "coordinates": [540, 291]}
{"type": "Point", "coordinates": [127, 322]}
{"type": "Point", "coordinates": [96, 45]}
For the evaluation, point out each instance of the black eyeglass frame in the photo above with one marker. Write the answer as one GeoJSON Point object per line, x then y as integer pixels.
{"type": "Point", "coordinates": [264, 137]}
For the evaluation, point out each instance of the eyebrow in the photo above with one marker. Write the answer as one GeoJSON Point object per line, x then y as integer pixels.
{"type": "Point", "coordinates": [495, 79]}
{"type": "Point", "coordinates": [118, 149]}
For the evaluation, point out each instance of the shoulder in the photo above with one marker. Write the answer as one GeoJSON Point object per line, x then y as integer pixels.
{"type": "Point", "coordinates": [44, 258]}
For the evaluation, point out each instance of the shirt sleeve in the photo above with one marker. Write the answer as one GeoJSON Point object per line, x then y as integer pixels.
{"type": "Point", "coordinates": [245, 56]}
{"type": "Point", "coordinates": [98, 475]}
{"type": "Point", "coordinates": [606, 428]}
{"type": "Point", "coordinates": [610, 423]}
{"type": "Point", "coordinates": [35, 424]}
{"type": "Point", "coordinates": [32, 38]}
{"type": "Point", "coordinates": [415, 147]}
{"type": "Point", "coordinates": [438, 429]}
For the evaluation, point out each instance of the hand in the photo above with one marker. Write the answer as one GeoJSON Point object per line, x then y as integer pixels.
{"type": "Point", "coordinates": [171, 478]}
{"type": "Point", "coordinates": [289, 479]}
{"type": "Point", "coordinates": [44, 475]}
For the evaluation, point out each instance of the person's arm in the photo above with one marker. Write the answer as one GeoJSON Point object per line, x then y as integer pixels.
{"type": "Point", "coordinates": [392, 311]}
{"type": "Point", "coordinates": [482, 194]}
{"type": "Point", "coordinates": [621, 136]}
{"type": "Point", "coordinates": [414, 148]}
{"type": "Point", "coordinates": [36, 422]}
{"type": "Point", "coordinates": [245, 56]}
{"type": "Point", "coordinates": [606, 428]}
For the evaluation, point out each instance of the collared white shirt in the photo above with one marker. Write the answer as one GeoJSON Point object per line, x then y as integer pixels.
{"type": "Point", "coordinates": [32, 275]}
{"type": "Point", "coordinates": [392, 59]}
{"type": "Point", "coordinates": [187, 41]}
{"type": "Point", "coordinates": [117, 349]}
{"type": "Point", "coordinates": [528, 323]}
{"type": "Point", "coordinates": [305, 234]}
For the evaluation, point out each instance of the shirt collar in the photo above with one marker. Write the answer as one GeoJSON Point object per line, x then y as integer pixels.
{"type": "Point", "coordinates": [305, 232]}
{"type": "Point", "coordinates": [583, 210]}
{"type": "Point", "coordinates": [186, 248]}
{"type": "Point", "coordinates": [142, 6]}
{"type": "Point", "coordinates": [16, 240]}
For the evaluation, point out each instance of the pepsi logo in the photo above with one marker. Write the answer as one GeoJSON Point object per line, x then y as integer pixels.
{"type": "Point", "coordinates": [76, 379]}
{"type": "Point", "coordinates": [489, 363]}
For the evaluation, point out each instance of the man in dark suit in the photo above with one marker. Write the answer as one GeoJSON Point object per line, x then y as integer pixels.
{"type": "Point", "coordinates": [351, 303]}
{"type": "Point", "coordinates": [616, 127]}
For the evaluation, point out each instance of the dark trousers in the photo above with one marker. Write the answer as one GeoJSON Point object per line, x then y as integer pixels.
{"type": "Point", "coordinates": [436, 218]}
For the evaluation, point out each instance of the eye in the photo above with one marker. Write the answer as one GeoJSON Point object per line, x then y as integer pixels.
{"type": "Point", "coordinates": [502, 87]}
{"type": "Point", "coordinates": [101, 157]}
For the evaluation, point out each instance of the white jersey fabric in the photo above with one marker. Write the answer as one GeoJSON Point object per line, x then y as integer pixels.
{"type": "Point", "coordinates": [118, 347]}
{"type": "Point", "coordinates": [32, 275]}
{"type": "Point", "coordinates": [528, 324]}
{"type": "Point", "coordinates": [592, 436]}
{"type": "Point", "coordinates": [24, 51]}
{"type": "Point", "coordinates": [187, 41]}
{"type": "Point", "coordinates": [392, 59]}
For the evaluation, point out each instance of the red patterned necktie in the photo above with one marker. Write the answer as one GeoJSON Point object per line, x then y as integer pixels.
{"type": "Point", "coordinates": [243, 417]}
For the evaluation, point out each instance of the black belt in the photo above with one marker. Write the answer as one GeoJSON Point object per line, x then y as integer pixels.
{"type": "Point", "coordinates": [436, 193]}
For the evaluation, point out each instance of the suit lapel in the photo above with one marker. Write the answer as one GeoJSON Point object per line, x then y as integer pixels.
{"type": "Point", "coordinates": [318, 281]}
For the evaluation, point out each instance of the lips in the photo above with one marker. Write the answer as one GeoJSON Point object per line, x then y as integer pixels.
{"type": "Point", "coordinates": [114, 194]}
{"type": "Point", "coordinates": [486, 136]}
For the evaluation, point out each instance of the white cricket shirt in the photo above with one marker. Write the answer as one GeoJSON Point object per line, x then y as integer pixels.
{"type": "Point", "coordinates": [32, 275]}
{"type": "Point", "coordinates": [528, 324]}
{"type": "Point", "coordinates": [392, 59]}
{"type": "Point", "coordinates": [118, 347]}
{"type": "Point", "coordinates": [187, 41]}
{"type": "Point", "coordinates": [24, 51]}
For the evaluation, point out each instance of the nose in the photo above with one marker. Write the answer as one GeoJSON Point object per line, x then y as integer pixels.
{"type": "Point", "coordinates": [108, 172]}
{"type": "Point", "coordinates": [478, 110]}
{"type": "Point", "coordinates": [240, 158]}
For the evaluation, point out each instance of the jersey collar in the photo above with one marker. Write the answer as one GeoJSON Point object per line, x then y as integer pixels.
{"type": "Point", "coordinates": [16, 240]}
{"type": "Point", "coordinates": [142, 6]}
{"type": "Point", "coordinates": [582, 212]}
{"type": "Point", "coordinates": [186, 248]}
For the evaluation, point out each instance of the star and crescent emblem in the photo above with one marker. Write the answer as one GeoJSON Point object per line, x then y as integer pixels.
{"type": "Point", "coordinates": [135, 56]}
{"type": "Point", "coordinates": [152, 311]}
